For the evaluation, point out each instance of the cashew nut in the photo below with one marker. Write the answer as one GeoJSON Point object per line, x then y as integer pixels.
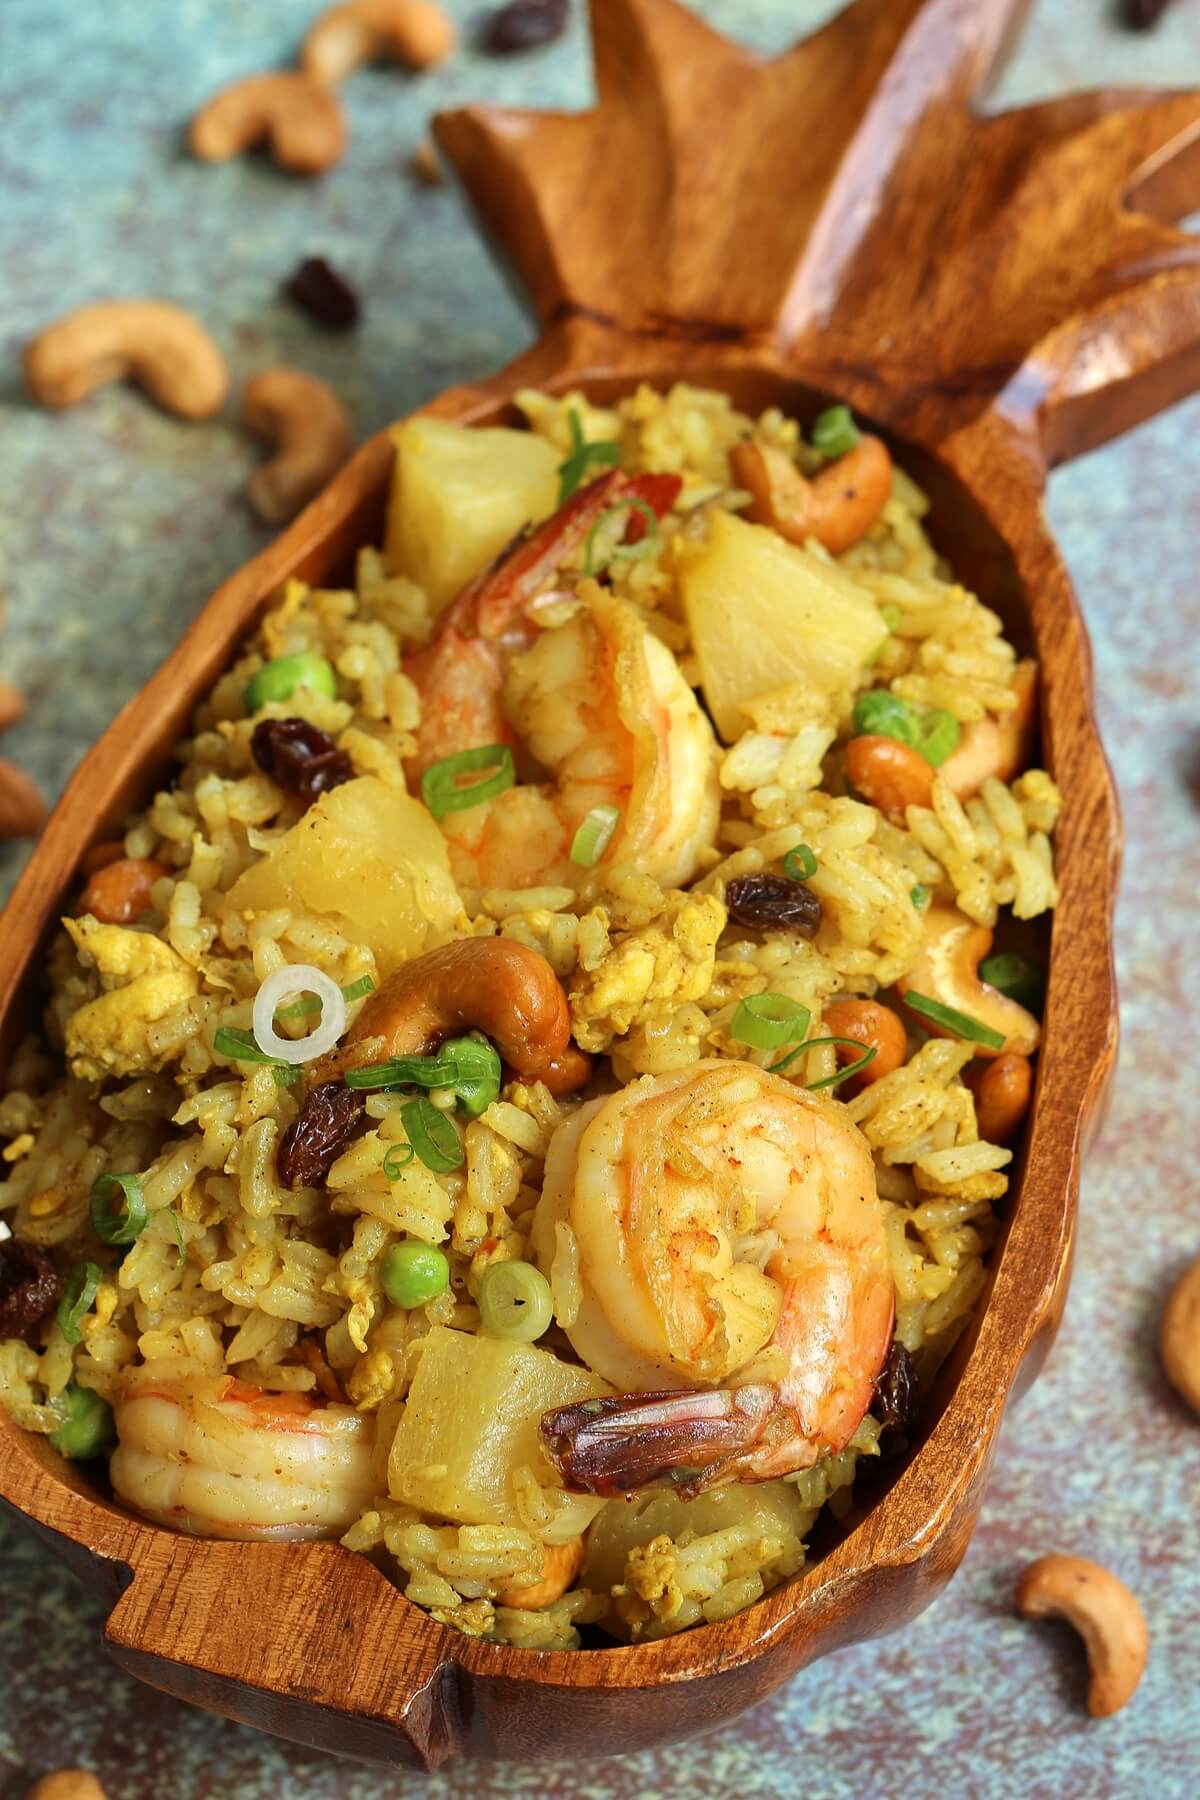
{"type": "Point", "coordinates": [560, 1565]}
{"type": "Point", "coordinates": [117, 893]}
{"type": "Point", "coordinates": [413, 32]}
{"type": "Point", "coordinates": [1180, 1340]}
{"type": "Point", "coordinates": [889, 774]}
{"type": "Point", "coordinates": [875, 1027]}
{"type": "Point", "coordinates": [311, 430]}
{"type": "Point", "coordinates": [22, 809]}
{"type": "Point", "coordinates": [495, 985]}
{"type": "Point", "coordinates": [994, 746]}
{"type": "Point", "coordinates": [12, 705]}
{"type": "Point", "coordinates": [947, 970]}
{"type": "Point", "coordinates": [299, 117]}
{"type": "Point", "coordinates": [67, 1784]}
{"type": "Point", "coordinates": [837, 507]}
{"type": "Point", "coordinates": [1103, 1612]}
{"type": "Point", "coordinates": [1003, 1091]}
{"type": "Point", "coordinates": [159, 345]}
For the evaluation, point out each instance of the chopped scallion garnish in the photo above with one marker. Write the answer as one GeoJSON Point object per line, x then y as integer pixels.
{"type": "Point", "coordinates": [79, 1291]}
{"type": "Point", "coordinates": [582, 457]}
{"type": "Point", "coordinates": [1017, 977]}
{"type": "Point", "coordinates": [397, 1158]}
{"type": "Point", "coordinates": [960, 1024]}
{"type": "Point", "coordinates": [799, 863]}
{"type": "Point", "coordinates": [832, 1081]}
{"type": "Point", "coordinates": [240, 1046]}
{"type": "Point", "coordinates": [130, 1218]}
{"type": "Point", "coordinates": [443, 792]}
{"type": "Point", "coordinates": [301, 1009]}
{"type": "Point", "coordinates": [595, 835]}
{"type": "Point", "coordinates": [403, 1071]}
{"type": "Point", "coordinates": [834, 433]}
{"type": "Point", "coordinates": [432, 1135]}
{"type": "Point", "coordinates": [919, 896]}
{"type": "Point", "coordinates": [768, 1021]}
{"type": "Point", "coordinates": [646, 545]}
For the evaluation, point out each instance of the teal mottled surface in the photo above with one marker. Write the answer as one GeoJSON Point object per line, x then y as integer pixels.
{"type": "Point", "coordinates": [116, 522]}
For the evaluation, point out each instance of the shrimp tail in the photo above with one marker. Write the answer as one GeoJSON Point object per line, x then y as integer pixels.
{"type": "Point", "coordinates": [689, 1441]}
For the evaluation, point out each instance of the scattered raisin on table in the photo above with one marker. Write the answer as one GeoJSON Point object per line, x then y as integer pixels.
{"type": "Point", "coordinates": [895, 1399]}
{"type": "Point", "coordinates": [303, 759]}
{"type": "Point", "coordinates": [525, 25]}
{"type": "Point", "coordinates": [1140, 15]}
{"type": "Point", "coordinates": [764, 902]}
{"type": "Point", "coordinates": [29, 1287]}
{"type": "Point", "coordinates": [327, 297]}
{"type": "Point", "coordinates": [329, 1118]}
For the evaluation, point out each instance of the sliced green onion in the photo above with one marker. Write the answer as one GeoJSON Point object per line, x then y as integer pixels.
{"type": "Point", "coordinates": [891, 616]}
{"type": "Point", "coordinates": [595, 835]}
{"type": "Point", "coordinates": [937, 735]}
{"type": "Point", "coordinates": [442, 791]}
{"type": "Point", "coordinates": [476, 1079]}
{"type": "Point", "coordinates": [397, 1159]}
{"type": "Point", "coordinates": [240, 1046]}
{"type": "Point", "coordinates": [799, 863]}
{"type": "Point", "coordinates": [178, 1230]}
{"type": "Point", "coordinates": [303, 1009]}
{"type": "Point", "coordinates": [88, 1428]}
{"type": "Point", "coordinates": [973, 1031]}
{"type": "Point", "coordinates": [920, 896]}
{"type": "Point", "coordinates": [880, 713]}
{"type": "Point", "coordinates": [131, 1216]}
{"type": "Point", "coordinates": [1017, 977]}
{"type": "Point", "coordinates": [583, 456]}
{"type": "Point", "coordinates": [403, 1071]}
{"type": "Point", "coordinates": [278, 680]}
{"type": "Point", "coordinates": [832, 1081]}
{"type": "Point", "coordinates": [835, 432]}
{"type": "Point", "coordinates": [432, 1135]}
{"type": "Point", "coordinates": [515, 1302]}
{"type": "Point", "coordinates": [768, 1021]}
{"type": "Point", "coordinates": [80, 1289]}
{"type": "Point", "coordinates": [413, 1274]}
{"type": "Point", "coordinates": [646, 546]}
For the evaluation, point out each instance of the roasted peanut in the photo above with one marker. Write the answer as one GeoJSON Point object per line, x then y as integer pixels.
{"type": "Point", "coordinates": [67, 1784]}
{"type": "Point", "coordinates": [414, 32]}
{"type": "Point", "coordinates": [947, 970]}
{"type": "Point", "coordinates": [311, 431]}
{"type": "Point", "coordinates": [837, 507]}
{"type": "Point", "coordinates": [298, 117]}
{"type": "Point", "coordinates": [100, 855]}
{"type": "Point", "coordinates": [158, 345]}
{"type": "Point", "coordinates": [560, 1565]}
{"type": "Point", "coordinates": [22, 809]}
{"type": "Point", "coordinates": [1179, 1342]}
{"type": "Point", "coordinates": [495, 985]}
{"type": "Point", "coordinates": [889, 774]}
{"type": "Point", "coordinates": [994, 746]}
{"type": "Point", "coordinates": [117, 893]}
{"type": "Point", "coordinates": [875, 1027]}
{"type": "Point", "coordinates": [1003, 1090]}
{"type": "Point", "coordinates": [1104, 1613]}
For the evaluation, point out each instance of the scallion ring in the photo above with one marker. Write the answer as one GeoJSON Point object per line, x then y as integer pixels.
{"type": "Point", "coordinates": [834, 432]}
{"type": "Point", "coordinates": [239, 1046]}
{"type": "Point", "coordinates": [403, 1071]}
{"type": "Point", "coordinates": [398, 1158]}
{"type": "Point", "coordinates": [572, 471]}
{"type": "Point", "coordinates": [131, 1218]}
{"type": "Point", "coordinates": [645, 546]}
{"type": "Point", "coordinates": [830, 1081]}
{"type": "Point", "coordinates": [959, 1024]}
{"type": "Point", "coordinates": [79, 1291]}
{"type": "Point", "coordinates": [295, 978]}
{"type": "Point", "coordinates": [799, 863]}
{"type": "Point", "coordinates": [300, 1009]}
{"type": "Point", "coordinates": [443, 792]}
{"type": "Point", "coordinates": [595, 835]}
{"type": "Point", "coordinates": [432, 1135]}
{"type": "Point", "coordinates": [768, 1021]}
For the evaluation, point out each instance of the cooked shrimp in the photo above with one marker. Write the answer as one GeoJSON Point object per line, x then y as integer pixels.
{"type": "Point", "coordinates": [718, 1213]}
{"type": "Point", "coordinates": [218, 1458]}
{"type": "Point", "coordinates": [597, 702]}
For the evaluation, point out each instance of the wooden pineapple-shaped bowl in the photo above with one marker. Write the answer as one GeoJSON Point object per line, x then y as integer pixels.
{"type": "Point", "coordinates": [993, 294]}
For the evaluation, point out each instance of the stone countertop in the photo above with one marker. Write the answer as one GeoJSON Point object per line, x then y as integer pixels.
{"type": "Point", "coordinates": [117, 521]}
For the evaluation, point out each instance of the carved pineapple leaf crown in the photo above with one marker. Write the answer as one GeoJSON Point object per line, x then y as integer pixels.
{"type": "Point", "coordinates": [846, 203]}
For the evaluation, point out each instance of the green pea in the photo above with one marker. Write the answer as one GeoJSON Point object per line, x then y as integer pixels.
{"type": "Point", "coordinates": [937, 735]}
{"type": "Point", "coordinates": [834, 432]}
{"type": "Point", "coordinates": [477, 1083]}
{"type": "Point", "coordinates": [278, 680]}
{"type": "Point", "coordinates": [920, 896]}
{"type": "Point", "coordinates": [1017, 977]}
{"type": "Point", "coordinates": [880, 713]}
{"type": "Point", "coordinates": [413, 1274]}
{"type": "Point", "coordinates": [88, 1428]}
{"type": "Point", "coordinates": [515, 1302]}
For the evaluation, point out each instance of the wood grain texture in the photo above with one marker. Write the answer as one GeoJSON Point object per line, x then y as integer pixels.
{"type": "Point", "coordinates": [989, 296]}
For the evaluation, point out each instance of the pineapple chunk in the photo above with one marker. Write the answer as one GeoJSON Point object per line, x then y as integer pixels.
{"type": "Point", "coordinates": [459, 495]}
{"type": "Point", "coordinates": [763, 613]}
{"type": "Point", "coordinates": [371, 857]}
{"type": "Point", "coordinates": [471, 1419]}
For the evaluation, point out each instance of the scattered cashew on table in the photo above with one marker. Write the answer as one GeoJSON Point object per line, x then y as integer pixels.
{"type": "Point", "coordinates": [158, 345]}
{"type": "Point", "coordinates": [1104, 1613]}
{"type": "Point", "coordinates": [413, 32]}
{"type": "Point", "coordinates": [1179, 1343]}
{"type": "Point", "coordinates": [311, 431]}
{"type": "Point", "coordinates": [298, 117]}
{"type": "Point", "coordinates": [67, 1784]}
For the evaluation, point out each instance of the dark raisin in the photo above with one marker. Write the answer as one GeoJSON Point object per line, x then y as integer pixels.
{"type": "Point", "coordinates": [764, 902]}
{"type": "Point", "coordinates": [895, 1399]}
{"type": "Point", "coordinates": [318, 290]}
{"type": "Point", "coordinates": [525, 25]}
{"type": "Point", "coordinates": [1140, 15]}
{"type": "Point", "coordinates": [304, 760]}
{"type": "Point", "coordinates": [29, 1287]}
{"type": "Point", "coordinates": [329, 1118]}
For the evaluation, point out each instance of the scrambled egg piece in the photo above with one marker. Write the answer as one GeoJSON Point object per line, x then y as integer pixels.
{"type": "Point", "coordinates": [647, 972]}
{"type": "Point", "coordinates": [143, 980]}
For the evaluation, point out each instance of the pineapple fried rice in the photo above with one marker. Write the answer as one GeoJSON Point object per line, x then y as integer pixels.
{"type": "Point", "coordinates": [387, 1263]}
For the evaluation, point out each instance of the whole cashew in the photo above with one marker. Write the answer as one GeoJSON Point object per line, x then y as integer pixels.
{"type": "Point", "coordinates": [67, 1784]}
{"type": "Point", "coordinates": [1180, 1340]}
{"type": "Point", "coordinates": [22, 809]}
{"type": "Point", "coordinates": [560, 1565]}
{"type": "Point", "coordinates": [994, 747]}
{"type": "Point", "coordinates": [160, 346]}
{"type": "Point", "coordinates": [837, 507]}
{"type": "Point", "coordinates": [301, 119]}
{"type": "Point", "coordinates": [311, 430]}
{"type": "Point", "coordinates": [947, 970]}
{"type": "Point", "coordinates": [414, 32]}
{"type": "Point", "coordinates": [12, 705]}
{"type": "Point", "coordinates": [1104, 1613]}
